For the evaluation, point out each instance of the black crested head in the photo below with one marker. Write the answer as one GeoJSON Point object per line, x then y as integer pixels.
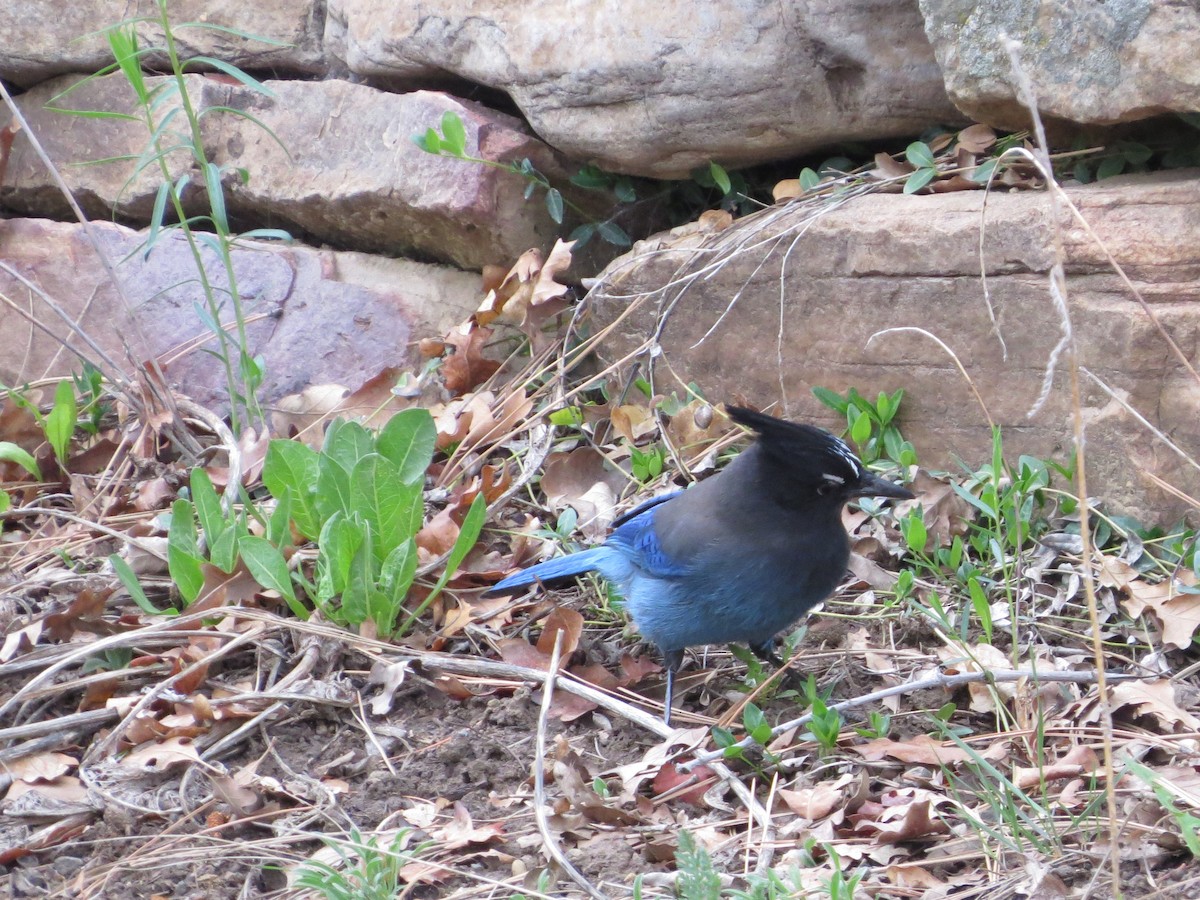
{"type": "Point", "coordinates": [812, 456]}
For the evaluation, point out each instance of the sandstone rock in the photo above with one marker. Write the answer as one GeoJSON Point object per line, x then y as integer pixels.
{"type": "Point", "coordinates": [350, 174]}
{"type": "Point", "coordinates": [316, 316]}
{"type": "Point", "coordinates": [885, 261]}
{"type": "Point", "coordinates": [43, 38]}
{"type": "Point", "coordinates": [658, 89]}
{"type": "Point", "coordinates": [1096, 63]}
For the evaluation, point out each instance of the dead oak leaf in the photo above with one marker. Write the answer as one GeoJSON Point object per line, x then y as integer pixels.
{"type": "Point", "coordinates": [467, 367]}
{"type": "Point", "coordinates": [460, 831]}
{"type": "Point", "coordinates": [1154, 698]}
{"type": "Point", "coordinates": [925, 750]}
{"type": "Point", "coordinates": [1178, 611]}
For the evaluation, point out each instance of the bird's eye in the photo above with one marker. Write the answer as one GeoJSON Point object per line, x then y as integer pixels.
{"type": "Point", "coordinates": [826, 488]}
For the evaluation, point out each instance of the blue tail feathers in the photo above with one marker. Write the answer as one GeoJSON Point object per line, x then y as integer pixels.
{"type": "Point", "coordinates": [554, 569]}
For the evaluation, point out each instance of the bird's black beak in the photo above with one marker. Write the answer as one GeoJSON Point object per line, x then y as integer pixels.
{"type": "Point", "coordinates": [871, 485]}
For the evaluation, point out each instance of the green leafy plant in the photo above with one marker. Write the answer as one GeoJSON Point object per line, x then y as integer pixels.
{"type": "Point", "coordinates": [698, 878]}
{"type": "Point", "coordinates": [920, 155]}
{"type": "Point", "coordinates": [647, 464]}
{"type": "Point", "coordinates": [451, 141]}
{"type": "Point", "coordinates": [172, 123]}
{"type": "Point", "coordinates": [368, 871]}
{"type": "Point", "coordinates": [361, 500]}
{"type": "Point", "coordinates": [872, 426]}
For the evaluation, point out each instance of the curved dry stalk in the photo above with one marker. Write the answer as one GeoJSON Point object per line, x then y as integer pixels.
{"type": "Point", "coordinates": [949, 352]}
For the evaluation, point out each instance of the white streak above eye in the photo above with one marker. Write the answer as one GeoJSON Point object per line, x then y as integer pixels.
{"type": "Point", "coordinates": [835, 479]}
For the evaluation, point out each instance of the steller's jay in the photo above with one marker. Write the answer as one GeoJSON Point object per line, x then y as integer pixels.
{"type": "Point", "coordinates": [739, 556]}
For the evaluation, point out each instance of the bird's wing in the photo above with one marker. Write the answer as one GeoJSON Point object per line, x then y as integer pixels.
{"type": "Point", "coordinates": [638, 541]}
{"type": "Point", "coordinates": [642, 507]}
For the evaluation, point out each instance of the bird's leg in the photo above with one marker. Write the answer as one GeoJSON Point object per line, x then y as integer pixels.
{"type": "Point", "coordinates": [673, 660]}
{"type": "Point", "coordinates": [766, 652]}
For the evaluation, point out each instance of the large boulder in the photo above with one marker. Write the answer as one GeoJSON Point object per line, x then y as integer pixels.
{"type": "Point", "coordinates": [1089, 63]}
{"type": "Point", "coordinates": [658, 89]}
{"type": "Point", "coordinates": [43, 38]}
{"type": "Point", "coordinates": [315, 316]}
{"type": "Point", "coordinates": [790, 298]}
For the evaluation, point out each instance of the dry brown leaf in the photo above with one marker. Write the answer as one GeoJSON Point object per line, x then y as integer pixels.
{"type": "Point", "coordinates": [889, 167]}
{"type": "Point", "coordinates": [925, 750]}
{"type": "Point", "coordinates": [460, 831]}
{"type": "Point", "coordinates": [690, 787]}
{"type": "Point", "coordinates": [976, 138]}
{"type": "Point", "coordinates": [815, 802]}
{"type": "Point", "coordinates": [633, 422]}
{"type": "Point", "coordinates": [1177, 611]}
{"type": "Point", "coordinates": [788, 189]}
{"type": "Point", "coordinates": [569, 623]}
{"type": "Point", "coordinates": [1081, 760]}
{"type": "Point", "coordinates": [467, 368]}
{"type": "Point", "coordinates": [1153, 698]}
{"type": "Point", "coordinates": [159, 756]}
{"type": "Point", "coordinates": [39, 766]}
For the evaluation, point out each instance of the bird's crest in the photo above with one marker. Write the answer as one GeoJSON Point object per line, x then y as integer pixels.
{"type": "Point", "coordinates": [791, 441]}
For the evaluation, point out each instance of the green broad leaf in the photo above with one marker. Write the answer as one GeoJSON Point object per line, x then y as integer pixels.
{"type": "Point", "coordinates": [60, 421]}
{"type": "Point", "coordinates": [291, 470]}
{"type": "Point", "coordinates": [915, 534]}
{"type": "Point", "coordinates": [919, 154]}
{"type": "Point", "coordinates": [454, 135]}
{"type": "Point", "coordinates": [270, 569]}
{"type": "Point", "coordinates": [223, 550]}
{"type": "Point", "coordinates": [184, 563]}
{"type": "Point", "coordinates": [581, 235]}
{"type": "Point", "coordinates": [279, 531]}
{"type": "Point", "coordinates": [1109, 167]}
{"type": "Point", "coordinates": [130, 582]}
{"type": "Point", "coordinates": [567, 416]}
{"type": "Point", "coordinates": [408, 440]}
{"type": "Point", "coordinates": [333, 490]}
{"type": "Point", "coordinates": [809, 179]}
{"type": "Point", "coordinates": [554, 205]}
{"type": "Point", "coordinates": [340, 540]}
{"type": "Point", "coordinates": [430, 141]}
{"type": "Point", "coordinates": [208, 505]}
{"type": "Point", "coordinates": [591, 177]}
{"type": "Point", "coordinates": [614, 234]}
{"type": "Point", "coordinates": [833, 400]}
{"type": "Point", "coordinates": [399, 569]}
{"type": "Point", "coordinates": [346, 443]}
{"type": "Point", "coordinates": [984, 171]}
{"type": "Point", "coordinates": [918, 180]}
{"type": "Point", "coordinates": [393, 508]}
{"type": "Point", "coordinates": [5, 501]}
{"type": "Point", "coordinates": [756, 724]}
{"type": "Point", "coordinates": [395, 578]}
{"type": "Point", "coordinates": [10, 452]}
{"type": "Point", "coordinates": [860, 430]}
{"type": "Point", "coordinates": [720, 177]}
{"type": "Point", "coordinates": [360, 582]}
